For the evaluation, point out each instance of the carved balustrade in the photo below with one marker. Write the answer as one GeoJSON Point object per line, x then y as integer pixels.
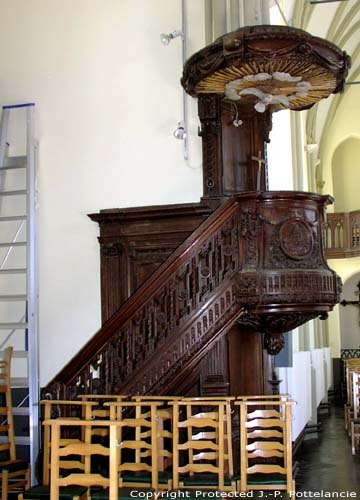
{"type": "Point", "coordinates": [342, 233]}
{"type": "Point", "coordinates": [258, 260]}
{"type": "Point", "coordinates": [169, 321]}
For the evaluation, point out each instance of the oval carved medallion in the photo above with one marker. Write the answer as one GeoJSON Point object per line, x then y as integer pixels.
{"type": "Point", "coordinates": [296, 239]}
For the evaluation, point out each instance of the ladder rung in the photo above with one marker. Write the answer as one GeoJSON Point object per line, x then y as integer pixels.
{"type": "Point", "coordinates": [7, 218]}
{"type": "Point", "coordinates": [20, 410]}
{"type": "Point", "coordinates": [17, 354]}
{"type": "Point", "coordinates": [13, 326]}
{"type": "Point", "coordinates": [3, 410]}
{"type": "Point", "coordinates": [12, 298]}
{"type": "Point", "coordinates": [13, 162]}
{"type": "Point", "coordinates": [19, 382]}
{"type": "Point", "coordinates": [22, 440]}
{"type": "Point", "coordinates": [13, 271]}
{"type": "Point", "coordinates": [13, 244]}
{"type": "Point", "coordinates": [13, 193]}
{"type": "Point", "coordinates": [4, 428]}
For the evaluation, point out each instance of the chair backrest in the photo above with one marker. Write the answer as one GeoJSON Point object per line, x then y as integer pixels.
{"type": "Point", "coordinates": [228, 450]}
{"type": "Point", "coordinates": [265, 445]}
{"type": "Point", "coordinates": [137, 438]}
{"type": "Point", "coordinates": [101, 411]}
{"type": "Point", "coordinates": [262, 397]}
{"type": "Point", "coordinates": [7, 446]}
{"type": "Point", "coordinates": [65, 409]}
{"type": "Point", "coordinates": [164, 427]}
{"type": "Point", "coordinates": [356, 393]}
{"type": "Point", "coordinates": [199, 439]}
{"type": "Point", "coordinates": [76, 457]}
{"type": "Point", "coordinates": [351, 365]}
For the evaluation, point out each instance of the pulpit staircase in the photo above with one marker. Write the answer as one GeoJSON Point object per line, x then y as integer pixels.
{"type": "Point", "coordinates": [155, 341]}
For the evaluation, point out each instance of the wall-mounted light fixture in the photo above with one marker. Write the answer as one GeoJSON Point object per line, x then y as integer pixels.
{"type": "Point", "coordinates": [180, 132]}
{"type": "Point", "coordinates": [166, 38]}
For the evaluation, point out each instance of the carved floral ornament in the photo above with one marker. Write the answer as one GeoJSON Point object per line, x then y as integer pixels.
{"type": "Point", "coordinates": [278, 88]}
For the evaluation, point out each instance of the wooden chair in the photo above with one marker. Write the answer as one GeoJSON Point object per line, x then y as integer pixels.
{"type": "Point", "coordinates": [199, 445]}
{"type": "Point", "coordinates": [351, 366]}
{"type": "Point", "coordinates": [72, 410]}
{"type": "Point", "coordinates": [101, 411]}
{"type": "Point", "coordinates": [263, 397]}
{"type": "Point", "coordinates": [71, 462]}
{"type": "Point", "coordinates": [14, 474]}
{"type": "Point", "coordinates": [228, 449]}
{"type": "Point", "coordinates": [355, 421]}
{"type": "Point", "coordinates": [164, 433]}
{"type": "Point", "coordinates": [138, 444]}
{"type": "Point", "coordinates": [265, 446]}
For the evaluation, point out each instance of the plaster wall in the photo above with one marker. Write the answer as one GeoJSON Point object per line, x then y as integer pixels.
{"type": "Point", "coordinates": [108, 99]}
{"type": "Point", "coordinates": [345, 320]}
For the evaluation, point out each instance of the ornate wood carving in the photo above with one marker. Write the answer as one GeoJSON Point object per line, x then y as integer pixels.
{"type": "Point", "coordinates": [134, 242]}
{"type": "Point", "coordinates": [259, 49]}
{"type": "Point", "coordinates": [221, 274]}
{"type": "Point", "coordinates": [274, 342]}
{"type": "Point", "coordinates": [210, 132]}
{"type": "Point", "coordinates": [160, 328]}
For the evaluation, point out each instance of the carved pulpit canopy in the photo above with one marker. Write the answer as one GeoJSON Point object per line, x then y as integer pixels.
{"type": "Point", "coordinates": [268, 66]}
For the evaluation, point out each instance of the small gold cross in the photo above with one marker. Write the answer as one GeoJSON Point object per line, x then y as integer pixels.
{"type": "Point", "coordinates": [260, 161]}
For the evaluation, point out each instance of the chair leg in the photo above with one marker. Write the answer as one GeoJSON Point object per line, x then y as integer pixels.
{"type": "Point", "coordinates": [27, 478]}
{"type": "Point", "coordinates": [352, 430]}
{"type": "Point", "coordinates": [4, 485]}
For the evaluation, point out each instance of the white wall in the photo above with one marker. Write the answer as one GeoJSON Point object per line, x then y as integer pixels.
{"type": "Point", "coordinates": [349, 315]}
{"type": "Point", "coordinates": [345, 268]}
{"type": "Point", "coordinates": [108, 98]}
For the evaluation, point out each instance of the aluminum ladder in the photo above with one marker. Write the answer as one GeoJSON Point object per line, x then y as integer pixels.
{"type": "Point", "coordinates": [18, 264]}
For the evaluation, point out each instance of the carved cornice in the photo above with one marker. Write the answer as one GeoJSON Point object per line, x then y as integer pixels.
{"type": "Point", "coordinates": [260, 49]}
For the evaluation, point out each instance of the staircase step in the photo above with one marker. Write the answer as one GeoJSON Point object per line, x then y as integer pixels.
{"type": "Point", "coordinates": [18, 192]}
{"type": "Point", "coordinates": [13, 244]}
{"type": "Point", "coordinates": [8, 218]}
{"type": "Point", "coordinates": [14, 162]}
{"type": "Point", "coordinates": [12, 298]}
{"type": "Point", "coordinates": [13, 326]}
{"type": "Point", "coordinates": [13, 271]}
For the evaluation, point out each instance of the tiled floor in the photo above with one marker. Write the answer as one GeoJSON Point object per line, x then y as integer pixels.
{"type": "Point", "coordinates": [326, 464]}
